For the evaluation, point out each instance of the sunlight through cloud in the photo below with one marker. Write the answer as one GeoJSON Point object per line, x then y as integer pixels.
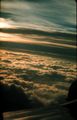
{"type": "Point", "coordinates": [5, 23]}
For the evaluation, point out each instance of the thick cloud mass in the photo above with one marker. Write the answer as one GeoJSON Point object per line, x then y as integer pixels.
{"type": "Point", "coordinates": [30, 80]}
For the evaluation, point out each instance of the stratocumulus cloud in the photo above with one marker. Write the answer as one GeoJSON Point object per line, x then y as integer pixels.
{"type": "Point", "coordinates": [23, 74]}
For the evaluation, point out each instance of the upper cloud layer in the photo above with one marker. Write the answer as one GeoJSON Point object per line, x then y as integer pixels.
{"type": "Point", "coordinates": [42, 14]}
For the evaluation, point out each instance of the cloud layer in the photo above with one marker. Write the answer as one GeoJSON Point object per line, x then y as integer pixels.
{"type": "Point", "coordinates": [35, 80]}
{"type": "Point", "coordinates": [50, 15]}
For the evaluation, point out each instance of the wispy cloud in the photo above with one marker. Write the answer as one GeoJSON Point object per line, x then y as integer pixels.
{"type": "Point", "coordinates": [51, 15]}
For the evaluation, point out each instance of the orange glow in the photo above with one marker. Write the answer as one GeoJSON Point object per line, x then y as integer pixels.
{"type": "Point", "coordinates": [20, 39]}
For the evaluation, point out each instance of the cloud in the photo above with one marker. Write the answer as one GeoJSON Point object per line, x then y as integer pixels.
{"type": "Point", "coordinates": [6, 14]}
{"type": "Point", "coordinates": [51, 14]}
{"type": "Point", "coordinates": [35, 1]}
{"type": "Point", "coordinates": [39, 32]}
{"type": "Point", "coordinates": [29, 0]}
{"type": "Point", "coordinates": [33, 82]}
{"type": "Point", "coordinates": [13, 97]}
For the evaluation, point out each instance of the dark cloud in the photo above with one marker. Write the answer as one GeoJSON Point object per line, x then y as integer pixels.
{"type": "Point", "coordinates": [1, 78]}
{"type": "Point", "coordinates": [6, 14]}
{"type": "Point", "coordinates": [13, 97]}
{"type": "Point", "coordinates": [48, 50]}
{"type": "Point", "coordinates": [39, 32]}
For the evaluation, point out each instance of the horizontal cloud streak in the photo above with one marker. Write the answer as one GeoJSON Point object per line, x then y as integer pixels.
{"type": "Point", "coordinates": [44, 49]}
{"type": "Point", "coordinates": [6, 15]}
{"type": "Point", "coordinates": [39, 32]}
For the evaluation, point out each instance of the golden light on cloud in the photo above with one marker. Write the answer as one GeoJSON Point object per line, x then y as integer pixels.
{"type": "Point", "coordinates": [5, 23]}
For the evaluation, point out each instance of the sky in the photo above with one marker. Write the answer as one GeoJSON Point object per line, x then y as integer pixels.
{"type": "Point", "coordinates": [45, 15]}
